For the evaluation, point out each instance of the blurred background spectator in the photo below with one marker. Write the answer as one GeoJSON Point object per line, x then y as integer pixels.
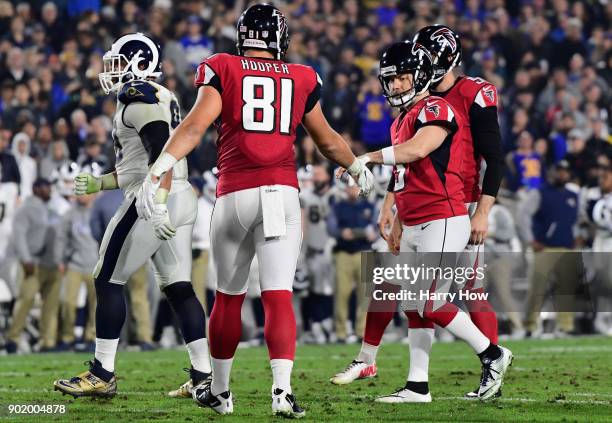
{"type": "Point", "coordinates": [550, 60]}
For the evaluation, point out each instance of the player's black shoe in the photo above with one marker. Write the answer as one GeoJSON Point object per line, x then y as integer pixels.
{"type": "Point", "coordinates": [284, 404]}
{"type": "Point", "coordinates": [222, 403]}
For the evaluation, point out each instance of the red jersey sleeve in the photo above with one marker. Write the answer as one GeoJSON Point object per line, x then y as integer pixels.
{"type": "Point", "coordinates": [209, 73]}
{"type": "Point", "coordinates": [436, 111]}
{"type": "Point", "coordinates": [486, 96]}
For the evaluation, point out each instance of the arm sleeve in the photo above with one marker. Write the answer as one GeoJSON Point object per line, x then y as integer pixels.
{"type": "Point", "coordinates": [151, 122]}
{"type": "Point", "coordinates": [391, 186]}
{"type": "Point", "coordinates": [488, 143]}
{"type": "Point", "coordinates": [314, 96]}
{"type": "Point", "coordinates": [154, 136]}
{"type": "Point", "coordinates": [20, 231]}
{"type": "Point", "coordinates": [208, 74]}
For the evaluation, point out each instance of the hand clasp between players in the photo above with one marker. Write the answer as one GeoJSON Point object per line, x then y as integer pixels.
{"type": "Point", "coordinates": [360, 173]}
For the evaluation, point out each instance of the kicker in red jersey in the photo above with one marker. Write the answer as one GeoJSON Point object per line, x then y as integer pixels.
{"type": "Point", "coordinates": [466, 93]}
{"type": "Point", "coordinates": [430, 188]}
{"type": "Point", "coordinates": [264, 101]}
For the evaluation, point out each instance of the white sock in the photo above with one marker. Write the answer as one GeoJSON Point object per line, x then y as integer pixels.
{"type": "Point", "coordinates": [420, 340]}
{"type": "Point", "coordinates": [462, 327]}
{"type": "Point", "coordinates": [106, 350]}
{"type": "Point", "coordinates": [281, 373]}
{"type": "Point", "coordinates": [221, 375]}
{"type": "Point", "coordinates": [198, 355]}
{"type": "Point", "coordinates": [368, 353]}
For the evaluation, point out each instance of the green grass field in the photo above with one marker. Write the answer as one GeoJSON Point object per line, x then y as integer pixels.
{"type": "Point", "coordinates": [560, 380]}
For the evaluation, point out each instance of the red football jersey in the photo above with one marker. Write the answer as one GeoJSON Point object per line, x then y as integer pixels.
{"type": "Point", "coordinates": [430, 188]}
{"type": "Point", "coordinates": [467, 93]}
{"type": "Point", "coordinates": [264, 101]}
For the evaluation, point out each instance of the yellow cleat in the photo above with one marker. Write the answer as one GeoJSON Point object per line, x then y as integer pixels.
{"type": "Point", "coordinates": [183, 391]}
{"type": "Point", "coordinates": [87, 385]}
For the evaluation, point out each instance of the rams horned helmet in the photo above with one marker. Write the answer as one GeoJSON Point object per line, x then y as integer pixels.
{"type": "Point", "coordinates": [132, 56]}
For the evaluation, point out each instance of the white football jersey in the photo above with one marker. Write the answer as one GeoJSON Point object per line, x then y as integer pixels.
{"type": "Point", "coordinates": [139, 103]}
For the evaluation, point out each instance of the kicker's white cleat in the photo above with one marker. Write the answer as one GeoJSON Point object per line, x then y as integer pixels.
{"type": "Point", "coordinates": [355, 370]}
{"type": "Point", "coordinates": [404, 395]}
{"type": "Point", "coordinates": [493, 371]}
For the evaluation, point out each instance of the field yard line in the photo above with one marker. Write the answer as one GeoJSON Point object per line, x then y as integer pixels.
{"type": "Point", "coordinates": [589, 394]}
{"type": "Point", "coordinates": [445, 398]}
{"type": "Point", "coordinates": [575, 348]}
{"type": "Point", "coordinates": [39, 391]}
{"type": "Point", "coordinates": [529, 400]}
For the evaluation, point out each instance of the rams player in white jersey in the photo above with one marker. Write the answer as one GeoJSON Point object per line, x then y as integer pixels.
{"type": "Point", "coordinates": [146, 114]}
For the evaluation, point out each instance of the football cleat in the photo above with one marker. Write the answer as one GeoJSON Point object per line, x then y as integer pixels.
{"type": "Point", "coordinates": [284, 404]}
{"type": "Point", "coordinates": [87, 384]}
{"type": "Point", "coordinates": [404, 395]}
{"type": "Point", "coordinates": [472, 395]}
{"type": "Point", "coordinates": [184, 391]}
{"type": "Point", "coordinates": [355, 370]}
{"type": "Point", "coordinates": [493, 371]}
{"type": "Point", "coordinates": [222, 403]}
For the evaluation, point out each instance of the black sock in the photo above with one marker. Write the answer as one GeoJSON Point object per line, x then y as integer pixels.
{"type": "Point", "coordinates": [187, 309]}
{"type": "Point", "coordinates": [418, 387]}
{"type": "Point", "coordinates": [110, 309]}
{"type": "Point", "coordinates": [197, 376]}
{"type": "Point", "coordinates": [97, 370]}
{"type": "Point", "coordinates": [493, 352]}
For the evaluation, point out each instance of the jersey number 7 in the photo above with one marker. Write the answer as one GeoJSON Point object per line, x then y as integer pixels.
{"type": "Point", "coordinates": [258, 111]}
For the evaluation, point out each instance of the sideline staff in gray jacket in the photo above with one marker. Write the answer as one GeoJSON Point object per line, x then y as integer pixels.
{"type": "Point", "coordinates": [32, 227]}
{"type": "Point", "coordinates": [79, 251]}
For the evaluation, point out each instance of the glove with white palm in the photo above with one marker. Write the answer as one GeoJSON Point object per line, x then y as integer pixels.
{"type": "Point", "coordinates": [164, 229]}
{"type": "Point", "coordinates": [362, 175]}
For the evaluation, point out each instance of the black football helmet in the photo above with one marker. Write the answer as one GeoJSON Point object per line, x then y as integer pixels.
{"type": "Point", "coordinates": [443, 45]}
{"type": "Point", "coordinates": [401, 58]}
{"type": "Point", "coordinates": [262, 26]}
{"type": "Point", "coordinates": [132, 56]}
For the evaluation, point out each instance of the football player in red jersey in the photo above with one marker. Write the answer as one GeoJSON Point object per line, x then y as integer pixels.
{"type": "Point", "coordinates": [257, 101]}
{"type": "Point", "coordinates": [476, 101]}
{"type": "Point", "coordinates": [427, 154]}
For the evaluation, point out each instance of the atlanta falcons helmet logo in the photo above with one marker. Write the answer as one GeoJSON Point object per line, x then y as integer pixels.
{"type": "Point", "coordinates": [445, 37]}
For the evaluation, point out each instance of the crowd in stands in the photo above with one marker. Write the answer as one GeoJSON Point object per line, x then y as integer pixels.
{"type": "Point", "coordinates": [551, 61]}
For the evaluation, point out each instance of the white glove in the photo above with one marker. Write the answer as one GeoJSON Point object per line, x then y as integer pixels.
{"type": "Point", "coordinates": [145, 198]}
{"type": "Point", "coordinates": [362, 175]}
{"type": "Point", "coordinates": [164, 229]}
